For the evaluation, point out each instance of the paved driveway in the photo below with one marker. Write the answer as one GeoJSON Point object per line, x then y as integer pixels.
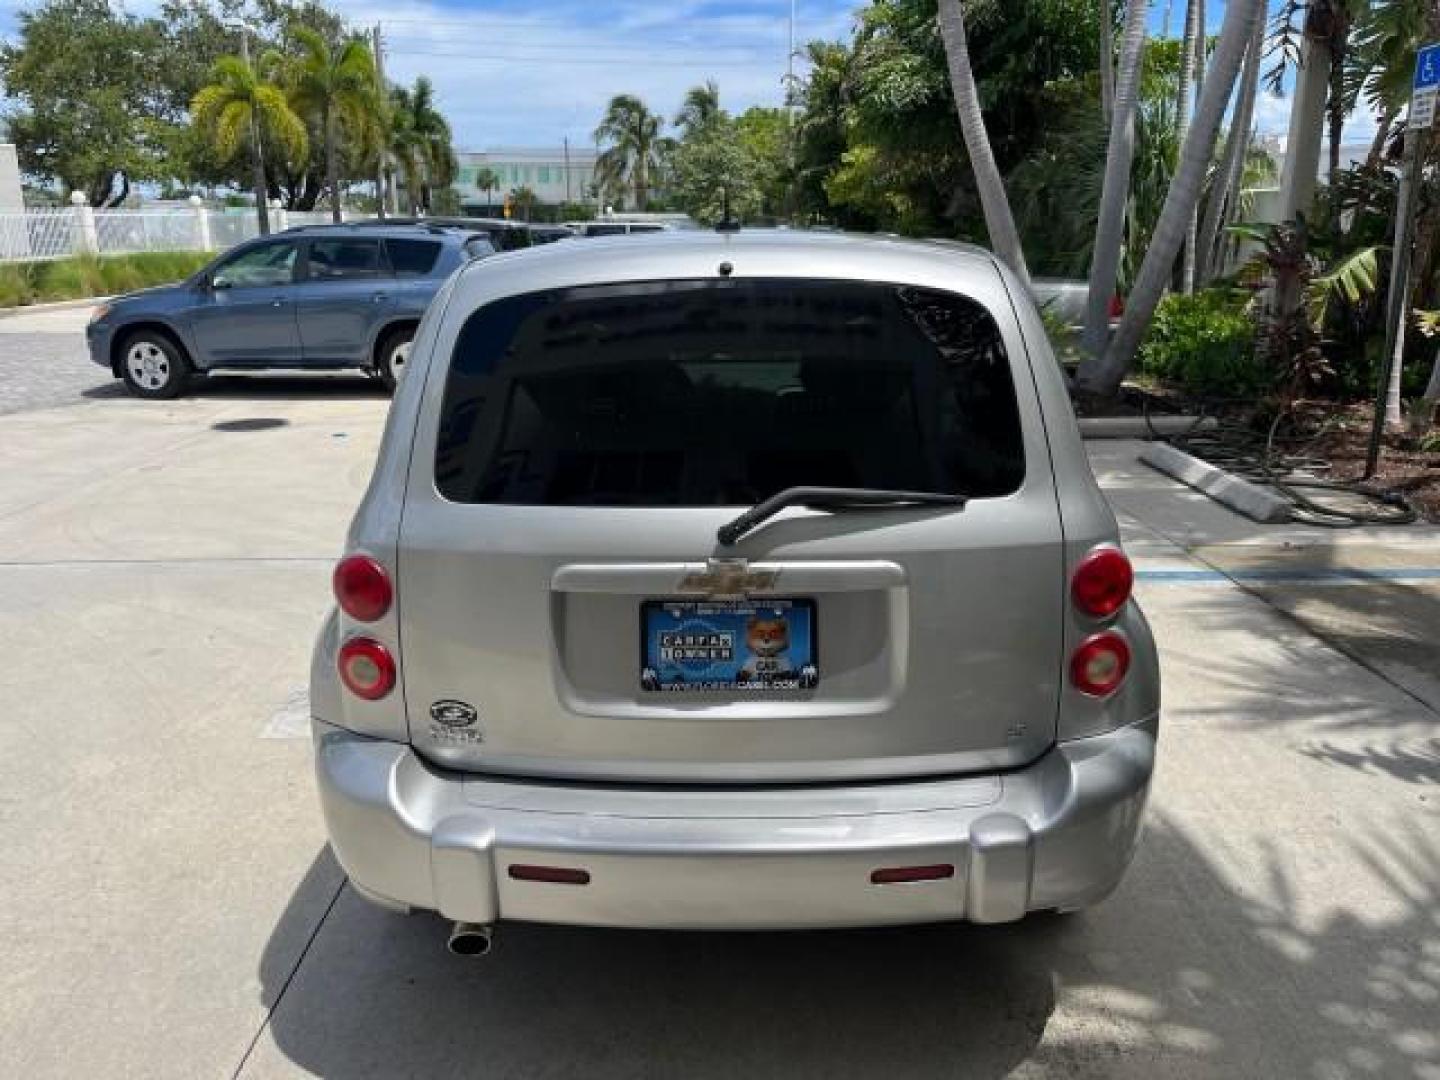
{"type": "Point", "coordinates": [170, 909]}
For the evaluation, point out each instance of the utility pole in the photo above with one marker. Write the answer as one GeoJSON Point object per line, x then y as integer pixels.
{"type": "Point", "coordinates": [790, 148]}
{"type": "Point", "coordinates": [382, 156]}
{"type": "Point", "coordinates": [384, 183]}
{"type": "Point", "coordinates": [567, 170]}
{"type": "Point", "coordinates": [257, 156]}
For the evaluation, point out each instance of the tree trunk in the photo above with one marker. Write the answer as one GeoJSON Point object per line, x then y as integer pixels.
{"type": "Point", "coordinates": [1339, 48]}
{"type": "Point", "coordinates": [332, 164]}
{"type": "Point", "coordinates": [1193, 30]}
{"type": "Point", "coordinates": [1225, 191]}
{"type": "Point", "coordinates": [1382, 137]}
{"type": "Point", "coordinates": [257, 172]}
{"type": "Point", "coordinates": [1115, 194]}
{"type": "Point", "coordinates": [1107, 60]}
{"type": "Point", "coordinates": [1102, 374]}
{"type": "Point", "coordinates": [1307, 122]}
{"type": "Point", "coordinates": [999, 222]}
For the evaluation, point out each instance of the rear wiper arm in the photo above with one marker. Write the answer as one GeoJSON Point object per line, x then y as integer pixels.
{"type": "Point", "coordinates": [829, 498]}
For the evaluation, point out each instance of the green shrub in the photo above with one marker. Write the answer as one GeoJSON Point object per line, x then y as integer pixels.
{"type": "Point", "coordinates": [1205, 343]}
{"type": "Point", "coordinates": [37, 281]}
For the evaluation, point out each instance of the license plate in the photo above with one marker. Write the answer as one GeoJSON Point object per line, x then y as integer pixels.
{"type": "Point", "coordinates": [728, 645]}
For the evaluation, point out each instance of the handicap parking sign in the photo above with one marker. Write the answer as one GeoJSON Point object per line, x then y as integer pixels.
{"type": "Point", "coordinates": [1427, 67]}
{"type": "Point", "coordinates": [1427, 86]}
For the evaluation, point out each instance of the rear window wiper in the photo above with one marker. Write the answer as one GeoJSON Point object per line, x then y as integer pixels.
{"type": "Point", "coordinates": [829, 498]}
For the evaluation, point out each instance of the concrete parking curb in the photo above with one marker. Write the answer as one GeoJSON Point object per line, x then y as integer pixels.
{"type": "Point", "coordinates": [1255, 502]}
{"type": "Point", "coordinates": [54, 305]}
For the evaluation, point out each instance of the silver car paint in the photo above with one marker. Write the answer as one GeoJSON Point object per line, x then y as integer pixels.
{"type": "Point", "coordinates": [488, 597]}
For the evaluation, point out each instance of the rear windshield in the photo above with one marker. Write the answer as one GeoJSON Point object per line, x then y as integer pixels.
{"type": "Point", "coordinates": [713, 392]}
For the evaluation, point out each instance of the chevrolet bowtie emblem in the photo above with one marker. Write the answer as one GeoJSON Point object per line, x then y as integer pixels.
{"type": "Point", "coordinates": [727, 579]}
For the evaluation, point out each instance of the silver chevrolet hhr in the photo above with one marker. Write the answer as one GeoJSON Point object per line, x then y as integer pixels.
{"type": "Point", "coordinates": [733, 580]}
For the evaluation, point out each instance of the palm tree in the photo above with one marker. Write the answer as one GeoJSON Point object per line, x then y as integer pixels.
{"type": "Point", "coordinates": [338, 89]}
{"type": "Point", "coordinates": [487, 180]}
{"type": "Point", "coordinates": [241, 106]}
{"type": "Point", "coordinates": [1307, 112]}
{"type": "Point", "coordinates": [700, 110]}
{"type": "Point", "coordinates": [1101, 373]}
{"type": "Point", "coordinates": [1107, 60]}
{"type": "Point", "coordinates": [1225, 189]}
{"type": "Point", "coordinates": [999, 222]}
{"type": "Point", "coordinates": [1115, 194]}
{"type": "Point", "coordinates": [1188, 65]}
{"type": "Point", "coordinates": [633, 133]}
{"type": "Point", "coordinates": [524, 200]}
{"type": "Point", "coordinates": [419, 139]}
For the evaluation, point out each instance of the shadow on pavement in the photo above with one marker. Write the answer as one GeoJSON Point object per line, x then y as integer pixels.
{"type": "Point", "coordinates": [1179, 974]}
{"type": "Point", "coordinates": [266, 387]}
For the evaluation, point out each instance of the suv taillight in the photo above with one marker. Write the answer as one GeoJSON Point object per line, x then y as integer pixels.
{"type": "Point", "coordinates": [366, 668]}
{"type": "Point", "coordinates": [1100, 663]}
{"type": "Point", "coordinates": [362, 588]}
{"type": "Point", "coordinates": [1102, 582]}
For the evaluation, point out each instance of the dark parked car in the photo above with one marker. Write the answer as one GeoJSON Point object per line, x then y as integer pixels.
{"type": "Point", "coordinates": [318, 297]}
{"type": "Point", "coordinates": [505, 234]}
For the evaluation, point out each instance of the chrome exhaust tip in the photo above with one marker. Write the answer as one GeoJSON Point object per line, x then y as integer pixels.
{"type": "Point", "coordinates": [469, 939]}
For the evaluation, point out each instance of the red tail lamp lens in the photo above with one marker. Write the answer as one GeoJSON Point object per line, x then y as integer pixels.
{"type": "Point", "coordinates": [1100, 664]}
{"type": "Point", "coordinates": [1102, 582]}
{"type": "Point", "coordinates": [362, 588]}
{"type": "Point", "coordinates": [366, 668]}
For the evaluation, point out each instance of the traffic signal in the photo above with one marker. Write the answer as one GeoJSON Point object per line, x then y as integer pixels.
{"type": "Point", "coordinates": [509, 207]}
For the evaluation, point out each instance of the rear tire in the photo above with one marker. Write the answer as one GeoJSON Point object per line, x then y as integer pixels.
{"type": "Point", "coordinates": [392, 356]}
{"type": "Point", "coordinates": [153, 366]}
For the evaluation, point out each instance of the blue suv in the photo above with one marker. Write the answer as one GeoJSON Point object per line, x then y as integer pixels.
{"type": "Point", "coordinates": [318, 297]}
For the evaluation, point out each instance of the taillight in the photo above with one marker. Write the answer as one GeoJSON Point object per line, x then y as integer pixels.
{"type": "Point", "coordinates": [366, 668]}
{"type": "Point", "coordinates": [1102, 582]}
{"type": "Point", "coordinates": [1099, 665]}
{"type": "Point", "coordinates": [362, 588]}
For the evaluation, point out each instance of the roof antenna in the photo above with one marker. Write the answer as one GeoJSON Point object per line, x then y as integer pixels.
{"type": "Point", "coordinates": [727, 222]}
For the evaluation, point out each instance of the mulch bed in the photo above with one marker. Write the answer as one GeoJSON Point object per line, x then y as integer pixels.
{"type": "Point", "coordinates": [1404, 467]}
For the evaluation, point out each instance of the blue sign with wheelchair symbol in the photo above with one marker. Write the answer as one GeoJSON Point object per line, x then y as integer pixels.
{"type": "Point", "coordinates": [1427, 67]}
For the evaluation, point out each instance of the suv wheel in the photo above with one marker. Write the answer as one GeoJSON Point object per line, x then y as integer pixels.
{"type": "Point", "coordinates": [152, 366]}
{"type": "Point", "coordinates": [393, 354]}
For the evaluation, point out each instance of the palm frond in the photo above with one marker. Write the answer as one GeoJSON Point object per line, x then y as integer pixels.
{"type": "Point", "coordinates": [1352, 280]}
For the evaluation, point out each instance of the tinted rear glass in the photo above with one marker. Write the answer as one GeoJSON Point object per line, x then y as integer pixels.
{"type": "Point", "coordinates": [698, 393]}
{"type": "Point", "coordinates": [412, 258]}
{"type": "Point", "coordinates": [338, 259]}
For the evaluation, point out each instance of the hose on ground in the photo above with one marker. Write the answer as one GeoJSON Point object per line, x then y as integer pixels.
{"type": "Point", "coordinates": [1285, 458]}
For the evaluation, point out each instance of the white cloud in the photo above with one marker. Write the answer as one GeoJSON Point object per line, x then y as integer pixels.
{"type": "Point", "coordinates": [536, 76]}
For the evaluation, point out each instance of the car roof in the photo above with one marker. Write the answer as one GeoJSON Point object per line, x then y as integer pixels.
{"type": "Point", "coordinates": [749, 253]}
{"type": "Point", "coordinates": [768, 243]}
{"type": "Point", "coordinates": [374, 230]}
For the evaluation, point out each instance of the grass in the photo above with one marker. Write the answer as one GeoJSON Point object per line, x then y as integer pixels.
{"type": "Point", "coordinates": [89, 275]}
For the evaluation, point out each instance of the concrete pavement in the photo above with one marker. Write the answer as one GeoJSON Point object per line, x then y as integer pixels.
{"type": "Point", "coordinates": [171, 911]}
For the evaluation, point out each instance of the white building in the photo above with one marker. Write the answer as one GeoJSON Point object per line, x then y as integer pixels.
{"type": "Point", "coordinates": [555, 174]}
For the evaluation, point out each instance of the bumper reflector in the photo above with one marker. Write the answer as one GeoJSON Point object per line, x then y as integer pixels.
{"type": "Point", "coordinates": [895, 875]}
{"type": "Point", "coordinates": [553, 875]}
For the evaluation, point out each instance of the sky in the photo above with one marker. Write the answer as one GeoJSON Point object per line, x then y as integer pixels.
{"type": "Point", "coordinates": [509, 73]}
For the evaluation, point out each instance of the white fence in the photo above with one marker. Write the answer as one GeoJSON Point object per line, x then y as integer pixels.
{"type": "Point", "coordinates": [76, 230]}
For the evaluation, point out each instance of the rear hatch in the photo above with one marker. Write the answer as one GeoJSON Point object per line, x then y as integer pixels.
{"type": "Point", "coordinates": [560, 572]}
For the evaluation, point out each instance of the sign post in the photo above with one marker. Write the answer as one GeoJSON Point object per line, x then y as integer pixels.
{"type": "Point", "coordinates": [1423, 93]}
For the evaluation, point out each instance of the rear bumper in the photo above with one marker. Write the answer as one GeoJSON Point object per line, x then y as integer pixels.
{"type": "Point", "coordinates": [1057, 834]}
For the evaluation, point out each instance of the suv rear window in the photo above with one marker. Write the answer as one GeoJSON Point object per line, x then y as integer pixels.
{"type": "Point", "coordinates": [412, 258]}
{"type": "Point", "coordinates": [701, 393]}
